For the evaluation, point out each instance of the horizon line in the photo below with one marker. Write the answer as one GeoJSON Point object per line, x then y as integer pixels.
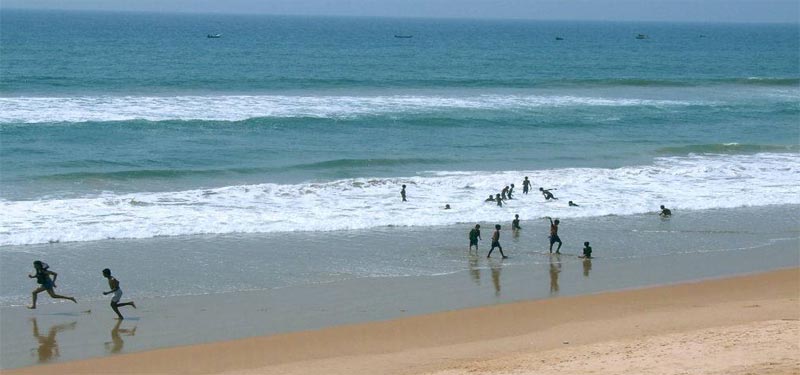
{"type": "Point", "coordinates": [313, 15]}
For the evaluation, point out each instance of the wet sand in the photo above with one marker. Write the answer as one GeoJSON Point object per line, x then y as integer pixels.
{"type": "Point", "coordinates": [707, 326]}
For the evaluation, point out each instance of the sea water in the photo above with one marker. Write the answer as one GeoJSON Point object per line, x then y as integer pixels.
{"type": "Point", "coordinates": [124, 127]}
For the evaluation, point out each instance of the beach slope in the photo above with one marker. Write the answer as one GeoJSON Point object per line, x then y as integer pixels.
{"type": "Point", "coordinates": [738, 325]}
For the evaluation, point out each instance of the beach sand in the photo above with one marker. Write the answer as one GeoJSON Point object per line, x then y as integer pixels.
{"type": "Point", "coordinates": [738, 325]}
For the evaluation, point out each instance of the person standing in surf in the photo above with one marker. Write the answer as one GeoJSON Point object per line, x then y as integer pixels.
{"type": "Point", "coordinates": [554, 235]}
{"type": "Point", "coordinates": [42, 277]}
{"type": "Point", "coordinates": [515, 223]}
{"type": "Point", "coordinates": [113, 283]}
{"type": "Point", "coordinates": [496, 242]}
{"type": "Point", "coordinates": [403, 193]}
{"type": "Point", "coordinates": [511, 192]}
{"type": "Point", "coordinates": [504, 193]}
{"type": "Point", "coordinates": [499, 200]}
{"type": "Point", "coordinates": [526, 185]}
{"type": "Point", "coordinates": [474, 236]}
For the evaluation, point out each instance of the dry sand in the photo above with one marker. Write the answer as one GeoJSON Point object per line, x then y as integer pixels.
{"type": "Point", "coordinates": [741, 325]}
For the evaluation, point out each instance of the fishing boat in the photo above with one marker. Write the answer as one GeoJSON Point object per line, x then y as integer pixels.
{"type": "Point", "coordinates": [214, 36]}
{"type": "Point", "coordinates": [403, 36]}
{"type": "Point", "coordinates": [559, 38]}
{"type": "Point", "coordinates": [641, 36]}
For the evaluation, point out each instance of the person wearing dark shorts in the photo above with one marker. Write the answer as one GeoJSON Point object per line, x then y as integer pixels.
{"type": "Point", "coordinates": [526, 184]}
{"type": "Point", "coordinates": [496, 242]}
{"type": "Point", "coordinates": [474, 236]}
{"type": "Point", "coordinates": [403, 193]}
{"type": "Point", "coordinates": [47, 284]}
{"type": "Point", "coordinates": [554, 235]}
{"type": "Point", "coordinates": [515, 223]}
{"type": "Point", "coordinates": [499, 200]}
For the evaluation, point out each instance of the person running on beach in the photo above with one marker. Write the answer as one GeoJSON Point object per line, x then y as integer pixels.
{"type": "Point", "coordinates": [511, 192]}
{"type": "Point", "coordinates": [490, 199]}
{"type": "Point", "coordinates": [572, 204]}
{"type": "Point", "coordinates": [114, 285]}
{"type": "Point", "coordinates": [474, 236]}
{"type": "Point", "coordinates": [498, 200]}
{"type": "Point", "coordinates": [587, 251]}
{"type": "Point", "coordinates": [496, 242]}
{"type": "Point", "coordinates": [42, 276]}
{"type": "Point", "coordinates": [665, 212]}
{"type": "Point", "coordinates": [547, 194]}
{"type": "Point", "coordinates": [403, 193]}
{"type": "Point", "coordinates": [504, 193]}
{"type": "Point", "coordinates": [515, 223]}
{"type": "Point", "coordinates": [554, 235]}
{"type": "Point", "coordinates": [526, 184]}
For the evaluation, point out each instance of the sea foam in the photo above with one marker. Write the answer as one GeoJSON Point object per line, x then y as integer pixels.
{"type": "Point", "coordinates": [680, 182]}
{"type": "Point", "coordinates": [242, 107]}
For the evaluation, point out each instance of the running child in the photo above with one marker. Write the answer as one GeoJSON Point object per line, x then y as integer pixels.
{"type": "Point", "coordinates": [42, 276]}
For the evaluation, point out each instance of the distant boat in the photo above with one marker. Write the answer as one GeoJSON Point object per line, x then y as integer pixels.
{"type": "Point", "coordinates": [559, 38]}
{"type": "Point", "coordinates": [641, 36]}
{"type": "Point", "coordinates": [403, 36]}
{"type": "Point", "coordinates": [214, 36]}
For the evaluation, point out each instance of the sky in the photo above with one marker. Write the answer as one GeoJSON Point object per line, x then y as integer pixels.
{"type": "Point", "coordinates": [607, 10]}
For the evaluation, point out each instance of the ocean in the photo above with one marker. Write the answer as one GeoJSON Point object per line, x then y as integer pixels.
{"type": "Point", "coordinates": [120, 127]}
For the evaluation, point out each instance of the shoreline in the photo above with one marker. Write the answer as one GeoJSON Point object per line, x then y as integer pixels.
{"type": "Point", "coordinates": [446, 341]}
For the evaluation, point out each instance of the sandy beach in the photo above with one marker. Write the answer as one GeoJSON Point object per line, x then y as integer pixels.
{"type": "Point", "coordinates": [738, 325]}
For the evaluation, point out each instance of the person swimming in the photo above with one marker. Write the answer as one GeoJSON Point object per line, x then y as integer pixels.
{"type": "Point", "coordinates": [665, 212]}
{"type": "Point", "coordinates": [490, 199]}
{"type": "Point", "coordinates": [547, 194]}
{"type": "Point", "coordinates": [572, 204]}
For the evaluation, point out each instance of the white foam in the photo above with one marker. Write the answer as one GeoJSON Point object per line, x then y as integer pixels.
{"type": "Point", "coordinates": [681, 183]}
{"type": "Point", "coordinates": [242, 107]}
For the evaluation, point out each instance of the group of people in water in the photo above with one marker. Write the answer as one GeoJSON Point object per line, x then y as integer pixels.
{"type": "Point", "coordinates": [47, 284]}
{"type": "Point", "coordinates": [506, 194]}
{"type": "Point", "coordinates": [46, 278]}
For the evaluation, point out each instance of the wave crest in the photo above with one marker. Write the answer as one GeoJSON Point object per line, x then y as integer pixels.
{"type": "Point", "coordinates": [680, 182]}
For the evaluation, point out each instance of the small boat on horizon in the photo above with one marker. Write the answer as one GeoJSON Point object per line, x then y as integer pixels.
{"type": "Point", "coordinates": [559, 38]}
{"type": "Point", "coordinates": [214, 36]}
{"type": "Point", "coordinates": [403, 36]}
{"type": "Point", "coordinates": [641, 36]}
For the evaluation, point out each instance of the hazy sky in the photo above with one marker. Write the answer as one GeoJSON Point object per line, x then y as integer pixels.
{"type": "Point", "coordinates": [616, 10]}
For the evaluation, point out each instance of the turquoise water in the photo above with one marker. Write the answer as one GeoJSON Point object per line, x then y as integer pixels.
{"type": "Point", "coordinates": [303, 123]}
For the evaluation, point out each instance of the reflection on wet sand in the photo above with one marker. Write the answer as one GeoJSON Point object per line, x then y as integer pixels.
{"type": "Point", "coordinates": [555, 269]}
{"type": "Point", "coordinates": [474, 270]}
{"type": "Point", "coordinates": [48, 347]}
{"type": "Point", "coordinates": [116, 343]}
{"type": "Point", "coordinates": [587, 266]}
{"type": "Point", "coordinates": [496, 267]}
